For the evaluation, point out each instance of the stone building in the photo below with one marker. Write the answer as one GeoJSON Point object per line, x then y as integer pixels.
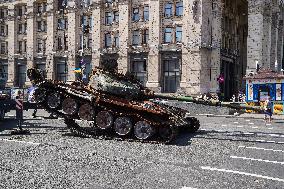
{"type": "Point", "coordinates": [171, 46]}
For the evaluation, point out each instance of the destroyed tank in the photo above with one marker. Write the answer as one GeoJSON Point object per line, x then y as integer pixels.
{"type": "Point", "coordinates": [112, 105]}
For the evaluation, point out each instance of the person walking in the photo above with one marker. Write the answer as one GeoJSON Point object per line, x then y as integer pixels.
{"type": "Point", "coordinates": [268, 109]}
{"type": "Point", "coordinates": [31, 98]}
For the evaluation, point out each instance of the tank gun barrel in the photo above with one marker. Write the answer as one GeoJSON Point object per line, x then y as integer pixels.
{"type": "Point", "coordinates": [195, 100]}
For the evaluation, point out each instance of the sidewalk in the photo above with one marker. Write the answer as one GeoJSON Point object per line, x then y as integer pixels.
{"type": "Point", "coordinates": [244, 115]}
{"type": "Point", "coordinates": [260, 116]}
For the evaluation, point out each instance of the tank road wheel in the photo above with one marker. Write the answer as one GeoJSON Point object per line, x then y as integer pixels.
{"type": "Point", "coordinates": [168, 133]}
{"type": "Point", "coordinates": [194, 124]}
{"type": "Point", "coordinates": [69, 106]}
{"type": "Point", "coordinates": [40, 95]}
{"type": "Point", "coordinates": [123, 126]}
{"type": "Point", "coordinates": [86, 112]}
{"type": "Point", "coordinates": [143, 130]}
{"type": "Point", "coordinates": [53, 100]}
{"type": "Point", "coordinates": [104, 119]}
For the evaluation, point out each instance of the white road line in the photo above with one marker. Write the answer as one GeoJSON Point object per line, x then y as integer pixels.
{"type": "Point", "coordinates": [240, 126]}
{"type": "Point", "coordinates": [255, 127]}
{"type": "Point", "coordinates": [257, 148]}
{"type": "Point", "coordinates": [251, 123]}
{"type": "Point", "coordinates": [275, 135]}
{"type": "Point", "coordinates": [260, 160]}
{"type": "Point", "coordinates": [223, 125]}
{"type": "Point", "coordinates": [248, 133]}
{"type": "Point", "coordinates": [236, 122]}
{"type": "Point", "coordinates": [270, 128]}
{"type": "Point", "coordinates": [241, 173]}
{"type": "Point", "coordinates": [185, 187]}
{"type": "Point", "coordinates": [20, 141]}
{"type": "Point", "coordinates": [247, 120]}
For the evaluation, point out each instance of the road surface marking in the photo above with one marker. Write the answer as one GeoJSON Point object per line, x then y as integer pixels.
{"type": "Point", "coordinates": [270, 128]}
{"type": "Point", "coordinates": [255, 127]}
{"type": "Point", "coordinates": [248, 133]}
{"type": "Point", "coordinates": [223, 125]}
{"type": "Point", "coordinates": [241, 173]}
{"type": "Point", "coordinates": [275, 135]}
{"type": "Point", "coordinates": [257, 148]}
{"type": "Point", "coordinates": [20, 141]}
{"type": "Point", "coordinates": [247, 120]}
{"type": "Point", "coordinates": [251, 123]}
{"type": "Point", "coordinates": [267, 124]}
{"type": "Point", "coordinates": [240, 126]}
{"type": "Point", "coordinates": [260, 160]}
{"type": "Point", "coordinates": [185, 187]}
{"type": "Point", "coordinates": [236, 122]}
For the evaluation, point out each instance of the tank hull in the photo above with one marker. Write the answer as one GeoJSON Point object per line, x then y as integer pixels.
{"type": "Point", "coordinates": [100, 114]}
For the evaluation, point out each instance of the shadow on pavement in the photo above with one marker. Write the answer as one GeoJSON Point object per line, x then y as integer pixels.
{"type": "Point", "coordinates": [185, 139]}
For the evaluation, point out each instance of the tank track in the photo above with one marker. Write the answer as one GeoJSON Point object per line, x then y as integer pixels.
{"type": "Point", "coordinates": [109, 134]}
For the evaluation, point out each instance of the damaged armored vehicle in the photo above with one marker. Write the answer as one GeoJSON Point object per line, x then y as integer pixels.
{"type": "Point", "coordinates": [112, 105]}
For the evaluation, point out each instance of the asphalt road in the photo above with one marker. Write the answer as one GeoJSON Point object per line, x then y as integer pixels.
{"type": "Point", "coordinates": [224, 153]}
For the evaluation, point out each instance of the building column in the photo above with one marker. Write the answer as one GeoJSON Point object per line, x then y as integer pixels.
{"type": "Point", "coordinates": [217, 7]}
{"type": "Point", "coordinates": [255, 35]}
{"type": "Point", "coordinates": [191, 53]}
{"type": "Point", "coordinates": [96, 36]}
{"type": "Point", "coordinates": [73, 38]}
{"type": "Point", "coordinates": [124, 20]}
{"type": "Point", "coordinates": [154, 62]}
{"type": "Point", "coordinates": [280, 42]}
{"type": "Point", "coordinates": [11, 46]}
{"type": "Point", "coordinates": [268, 45]}
{"type": "Point", "coordinates": [50, 42]}
{"type": "Point", "coordinates": [31, 34]}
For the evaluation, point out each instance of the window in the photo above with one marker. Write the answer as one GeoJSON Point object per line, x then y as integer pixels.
{"type": "Point", "coordinates": [39, 45]}
{"type": "Point", "coordinates": [179, 8]}
{"type": "Point", "coordinates": [41, 26]}
{"type": "Point", "coordinates": [20, 47]}
{"type": "Point", "coordinates": [107, 40]}
{"type": "Point", "coordinates": [59, 43]}
{"type": "Point", "coordinates": [168, 9]}
{"type": "Point", "coordinates": [108, 18]}
{"type": "Point", "coordinates": [2, 13]}
{"type": "Point", "coordinates": [168, 35]}
{"type": "Point", "coordinates": [90, 42]}
{"type": "Point", "coordinates": [178, 34]}
{"type": "Point", "coordinates": [20, 11]}
{"type": "Point", "coordinates": [39, 8]}
{"type": "Point", "coordinates": [22, 69]}
{"type": "Point", "coordinates": [171, 75]}
{"type": "Point", "coordinates": [22, 28]}
{"type": "Point", "coordinates": [116, 40]}
{"type": "Point", "coordinates": [146, 13]}
{"type": "Point", "coordinates": [61, 70]}
{"type": "Point", "coordinates": [116, 16]}
{"type": "Point", "coordinates": [62, 4]}
{"type": "Point", "coordinates": [138, 68]}
{"type": "Point", "coordinates": [2, 30]}
{"type": "Point", "coordinates": [25, 46]}
{"type": "Point", "coordinates": [109, 1]}
{"type": "Point", "coordinates": [62, 23]}
{"type": "Point", "coordinates": [145, 37]}
{"type": "Point", "coordinates": [135, 38]}
{"type": "Point", "coordinates": [65, 43]}
{"type": "Point", "coordinates": [135, 14]}
{"type": "Point", "coordinates": [3, 48]}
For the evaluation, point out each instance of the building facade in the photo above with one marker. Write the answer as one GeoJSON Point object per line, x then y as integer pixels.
{"type": "Point", "coordinates": [177, 46]}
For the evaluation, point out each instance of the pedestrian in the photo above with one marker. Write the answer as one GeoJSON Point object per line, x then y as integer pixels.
{"type": "Point", "coordinates": [31, 98]}
{"type": "Point", "coordinates": [268, 109]}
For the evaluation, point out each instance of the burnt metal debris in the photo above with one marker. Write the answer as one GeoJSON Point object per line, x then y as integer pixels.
{"type": "Point", "coordinates": [111, 105]}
